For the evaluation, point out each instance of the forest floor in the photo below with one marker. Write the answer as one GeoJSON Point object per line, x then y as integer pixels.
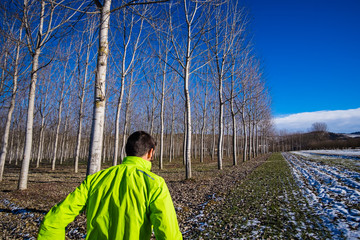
{"type": "Point", "coordinates": [21, 212]}
{"type": "Point", "coordinates": [257, 199]}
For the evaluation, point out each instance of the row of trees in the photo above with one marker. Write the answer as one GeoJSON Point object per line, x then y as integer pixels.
{"type": "Point", "coordinates": [88, 73]}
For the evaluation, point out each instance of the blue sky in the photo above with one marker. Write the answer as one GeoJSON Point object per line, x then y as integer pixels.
{"type": "Point", "coordinates": [311, 54]}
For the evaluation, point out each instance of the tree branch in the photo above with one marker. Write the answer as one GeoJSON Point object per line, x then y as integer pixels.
{"type": "Point", "coordinates": [133, 3]}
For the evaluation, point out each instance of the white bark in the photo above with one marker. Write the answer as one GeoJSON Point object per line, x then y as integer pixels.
{"type": "Point", "coordinates": [97, 129]}
{"type": "Point", "coordinates": [221, 125]}
{"type": "Point", "coordinates": [171, 148]}
{"type": "Point", "coordinates": [29, 124]}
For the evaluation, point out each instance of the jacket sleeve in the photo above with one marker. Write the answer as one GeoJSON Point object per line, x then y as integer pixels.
{"type": "Point", "coordinates": [163, 215]}
{"type": "Point", "coordinates": [63, 213]}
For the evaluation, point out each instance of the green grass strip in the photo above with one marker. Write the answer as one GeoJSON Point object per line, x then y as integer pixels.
{"type": "Point", "coordinates": [267, 204]}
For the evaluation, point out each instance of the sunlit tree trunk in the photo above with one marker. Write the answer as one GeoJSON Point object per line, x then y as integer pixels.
{"type": "Point", "coordinates": [221, 126]}
{"type": "Point", "coordinates": [29, 124]}
{"type": "Point", "coordinates": [97, 129]}
{"type": "Point", "coordinates": [162, 117]}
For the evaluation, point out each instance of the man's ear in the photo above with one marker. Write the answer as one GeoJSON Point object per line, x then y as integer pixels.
{"type": "Point", "coordinates": [150, 153]}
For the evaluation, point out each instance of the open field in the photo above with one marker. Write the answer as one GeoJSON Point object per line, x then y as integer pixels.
{"type": "Point", "coordinates": [331, 184]}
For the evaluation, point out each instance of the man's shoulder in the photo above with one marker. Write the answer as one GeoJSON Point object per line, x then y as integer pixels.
{"type": "Point", "coordinates": [104, 173]}
{"type": "Point", "coordinates": [150, 175]}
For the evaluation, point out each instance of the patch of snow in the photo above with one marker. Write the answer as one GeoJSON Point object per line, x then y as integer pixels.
{"type": "Point", "coordinates": [335, 153]}
{"type": "Point", "coordinates": [330, 192]}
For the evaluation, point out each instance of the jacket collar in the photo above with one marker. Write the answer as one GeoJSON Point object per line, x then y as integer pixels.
{"type": "Point", "coordinates": [138, 161]}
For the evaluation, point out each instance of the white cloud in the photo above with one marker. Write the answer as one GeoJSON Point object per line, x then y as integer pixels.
{"type": "Point", "coordinates": [338, 121]}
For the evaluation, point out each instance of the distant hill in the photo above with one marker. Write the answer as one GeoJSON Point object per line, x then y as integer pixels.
{"type": "Point", "coordinates": [326, 140]}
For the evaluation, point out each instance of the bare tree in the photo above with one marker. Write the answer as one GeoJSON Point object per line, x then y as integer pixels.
{"type": "Point", "coordinates": [83, 86]}
{"type": "Point", "coordinates": [186, 48]}
{"type": "Point", "coordinates": [37, 35]}
{"type": "Point", "coordinates": [225, 40]}
{"type": "Point", "coordinates": [60, 101]}
{"type": "Point", "coordinates": [127, 45]}
{"type": "Point", "coordinates": [11, 108]}
{"type": "Point", "coordinates": [319, 127]}
{"type": "Point", "coordinates": [44, 112]}
{"type": "Point", "coordinates": [127, 114]}
{"type": "Point", "coordinates": [97, 129]}
{"type": "Point", "coordinates": [203, 126]}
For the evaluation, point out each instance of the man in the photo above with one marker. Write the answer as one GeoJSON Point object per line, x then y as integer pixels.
{"type": "Point", "coordinates": [121, 202]}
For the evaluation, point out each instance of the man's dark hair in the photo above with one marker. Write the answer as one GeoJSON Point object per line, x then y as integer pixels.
{"type": "Point", "coordinates": [139, 143]}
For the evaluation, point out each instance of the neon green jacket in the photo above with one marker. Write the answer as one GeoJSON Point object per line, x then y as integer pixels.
{"type": "Point", "coordinates": [122, 202]}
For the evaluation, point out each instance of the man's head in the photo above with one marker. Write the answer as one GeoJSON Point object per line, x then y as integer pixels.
{"type": "Point", "coordinates": [140, 144]}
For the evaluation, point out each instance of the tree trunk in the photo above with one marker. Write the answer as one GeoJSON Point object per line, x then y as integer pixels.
{"type": "Point", "coordinates": [214, 139]}
{"type": "Point", "coordinates": [187, 149]}
{"type": "Point", "coordinates": [162, 114]}
{"type": "Point", "coordinates": [64, 140]}
{"type": "Point", "coordinates": [117, 122]}
{"type": "Point", "coordinates": [41, 141]}
{"type": "Point", "coordinates": [23, 178]}
{"type": "Point", "coordinates": [97, 128]}
{"type": "Point", "coordinates": [234, 140]}
{"type": "Point", "coordinates": [3, 77]}
{"type": "Point", "coordinates": [203, 133]}
{"type": "Point", "coordinates": [126, 123]}
{"type": "Point", "coordinates": [244, 136]}
{"type": "Point", "coordinates": [221, 127]}
{"type": "Point", "coordinates": [184, 142]}
{"type": "Point", "coordinates": [171, 151]}
{"type": "Point", "coordinates": [78, 141]}
{"type": "Point", "coordinates": [11, 147]}
{"type": "Point", "coordinates": [151, 130]}
{"type": "Point", "coordinates": [59, 120]}
{"type": "Point", "coordinates": [11, 110]}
